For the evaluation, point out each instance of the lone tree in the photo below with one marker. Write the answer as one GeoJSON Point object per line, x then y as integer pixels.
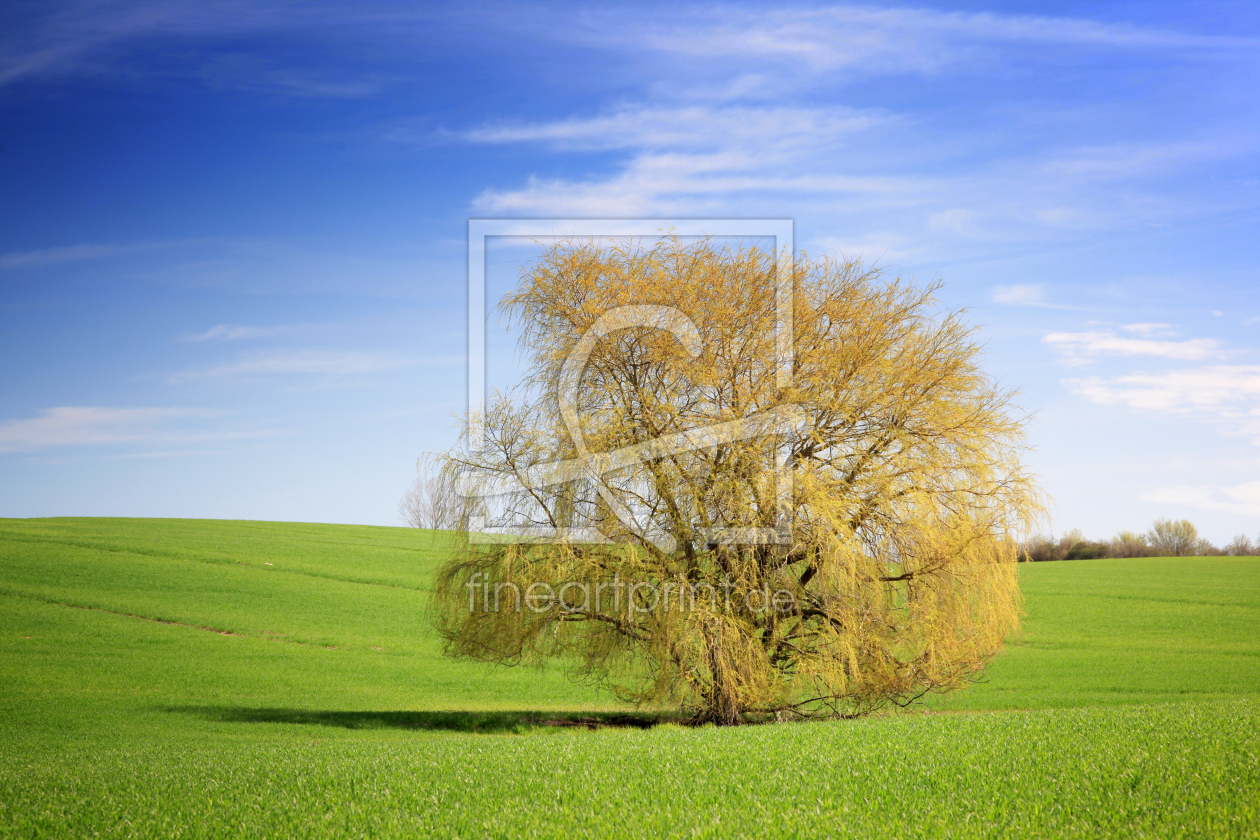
{"type": "Point", "coordinates": [1171, 538]}
{"type": "Point", "coordinates": [885, 570]}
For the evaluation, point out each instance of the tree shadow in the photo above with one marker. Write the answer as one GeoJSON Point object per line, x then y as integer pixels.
{"type": "Point", "coordinates": [485, 722]}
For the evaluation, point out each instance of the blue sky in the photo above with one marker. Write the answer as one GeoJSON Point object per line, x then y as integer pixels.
{"type": "Point", "coordinates": [232, 234]}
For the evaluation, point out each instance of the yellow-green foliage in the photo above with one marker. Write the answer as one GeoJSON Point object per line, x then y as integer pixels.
{"type": "Point", "coordinates": [900, 577]}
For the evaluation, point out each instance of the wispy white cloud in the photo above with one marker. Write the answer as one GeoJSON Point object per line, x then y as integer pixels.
{"type": "Point", "coordinates": [702, 158]}
{"type": "Point", "coordinates": [861, 169]}
{"type": "Point", "coordinates": [91, 425]}
{"type": "Point", "coordinates": [685, 159]}
{"type": "Point", "coordinates": [310, 362]}
{"type": "Point", "coordinates": [959, 221]}
{"type": "Point", "coordinates": [79, 37]}
{"type": "Point", "coordinates": [891, 40]}
{"type": "Point", "coordinates": [79, 253]}
{"type": "Point", "coordinates": [1224, 394]}
{"type": "Point", "coordinates": [1211, 387]}
{"type": "Point", "coordinates": [1126, 160]}
{"type": "Point", "coordinates": [1150, 330]}
{"type": "Point", "coordinates": [1079, 348]}
{"type": "Point", "coordinates": [251, 73]}
{"type": "Point", "coordinates": [876, 247]}
{"type": "Point", "coordinates": [682, 184]}
{"type": "Point", "coordinates": [234, 332]}
{"type": "Point", "coordinates": [1242, 499]}
{"type": "Point", "coordinates": [689, 127]}
{"type": "Point", "coordinates": [699, 147]}
{"type": "Point", "coordinates": [82, 37]}
{"type": "Point", "coordinates": [1029, 294]}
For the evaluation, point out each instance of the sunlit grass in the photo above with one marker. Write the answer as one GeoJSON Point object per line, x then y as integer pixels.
{"type": "Point", "coordinates": [329, 707]}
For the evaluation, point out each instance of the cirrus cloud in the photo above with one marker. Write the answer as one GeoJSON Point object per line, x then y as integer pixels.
{"type": "Point", "coordinates": [317, 362]}
{"type": "Point", "coordinates": [1080, 348]}
{"type": "Point", "coordinates": [1225, 394]}
{"type": "Point", "coordinates": [1243, 499]}
{"type": "Point", "coordinates": [1215, 387]}
{"type": "Point", "coordinates": [234, 332]}
{"type": "Point", "coordinates": [94, 425]}
{"type": "Point", "coordinates": [693, 126]}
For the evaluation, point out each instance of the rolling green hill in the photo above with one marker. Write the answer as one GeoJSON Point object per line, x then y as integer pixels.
{"type": "Point", "coordinates": [203, 678]}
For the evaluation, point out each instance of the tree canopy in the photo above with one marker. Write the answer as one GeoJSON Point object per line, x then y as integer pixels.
{"type": "Point", "coordinates": [721, 536]}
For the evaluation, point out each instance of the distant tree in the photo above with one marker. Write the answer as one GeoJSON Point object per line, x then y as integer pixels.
{"type": "Point", "coordinates": [1173, 539]}
{"type": "Point", "coordinates": [430, 501]}
{"type": "Point", "coordinates": [1040, 548]}
{"type": "Point", "coordinates": [907, 477]}
{"type": "Point", "coordinates": [1241, 546]}
{"type": "Point", "coordinates": [1072, 537]}
{"type": "Point", "coordinates": [1204, 547]}
{"type": "Point", "coordinates": [1086, 550]}
{"type": "Point", "coordinates": [1071, 546]}
{"type": "Point", "coordinates": [1166, 538]}
{"type": "Point", "coordinates": [1129, 544]}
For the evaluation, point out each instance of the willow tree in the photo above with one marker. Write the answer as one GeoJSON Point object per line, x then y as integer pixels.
{"type": "Point", "coordinates": [689, 522]}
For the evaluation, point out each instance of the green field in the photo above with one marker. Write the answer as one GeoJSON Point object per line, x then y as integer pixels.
{"type": "Point", "coordinates": [195, 678]}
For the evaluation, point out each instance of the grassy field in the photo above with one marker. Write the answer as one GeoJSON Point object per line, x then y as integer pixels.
{"type": "Point", "coordinates": [194, 678]}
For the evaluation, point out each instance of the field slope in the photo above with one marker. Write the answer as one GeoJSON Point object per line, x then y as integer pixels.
{"type": "Point", "coordinates": [201, 678]}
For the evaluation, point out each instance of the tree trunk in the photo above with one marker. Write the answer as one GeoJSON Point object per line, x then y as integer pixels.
{"type": "Point", "coordinates": [721, 701]}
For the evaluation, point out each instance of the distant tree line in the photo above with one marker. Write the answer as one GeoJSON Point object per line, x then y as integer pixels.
{"type": "Point", "coordinates": [1166, 538]}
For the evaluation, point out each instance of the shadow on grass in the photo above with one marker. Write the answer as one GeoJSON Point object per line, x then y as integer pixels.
{"type": "Point", "coordinates": [489, 722]}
